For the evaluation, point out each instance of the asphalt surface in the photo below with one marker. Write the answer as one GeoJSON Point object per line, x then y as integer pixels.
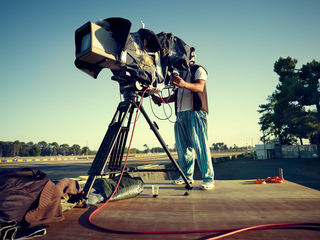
{"type": "Point", "coordinates": [305, 172]}
{"type": "Point", "coordinates": [301, 171]}
{"type": "Point", "coordinates": [56, 170]}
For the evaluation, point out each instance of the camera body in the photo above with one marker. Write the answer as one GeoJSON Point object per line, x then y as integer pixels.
{"type": "Point", "coordinates": [97, 46]}
{"type": "Point", "coordinates": [137, 60]}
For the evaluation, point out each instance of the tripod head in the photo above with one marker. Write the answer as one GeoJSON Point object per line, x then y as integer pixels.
{"type": "Point", "coordinates": [130, 96]}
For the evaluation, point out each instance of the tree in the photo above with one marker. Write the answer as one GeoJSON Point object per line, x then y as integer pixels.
{"type": "Point", "coordinates": [6, 149]}
{"type": "Point", "coordinates": [309, 94]}
{"type": "Point", "coordinates": [35, 150]}
{"type": "Point", "coordinates": [42, 144]}
{"type": "Point", "coordinates": [300, 124]}
{"type": "Point", "coordinates": [16, 148]}
{"type": "Point", "coordinates": [157, 150]}
{"type": "Point", "coordinates": [75, 149]}
{"type": "Point", "coordinates": [215, 147]}
{"type": "Point", "coordinates": [11, 149]}
{"type": "Point", "coordinates": [25, 149]}
{"type": "Point", "coordinates": [133, 150]}
{"type": "Point", "coordinates": [283, 120]}
{"type": "Point", "coordinates": [299, 88]}
{"type": "Point", "coordinates": [285, 116]}
{"type": "Point", "coordinates": [147, 148]}
{"type": "Point", "coordinates": [85, 150]}
{"type": "Point", "coordinates": [219, 146]}
{"type": "Point", "coordinates": [45, 149]}
{"type": "Point", "coordinates": [224, 147]}
{"type": "Point", "coordinates": [174, 148]}
{"type": "Point", "coordinates": [64, 149]}
{"type": "Point", "coordinates": [54, 148]}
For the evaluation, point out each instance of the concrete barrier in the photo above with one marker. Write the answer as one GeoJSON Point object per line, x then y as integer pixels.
{"type": "Point", "coordinates": [231, 157]}
{"type": "Point", "coordinates": [46, 159]}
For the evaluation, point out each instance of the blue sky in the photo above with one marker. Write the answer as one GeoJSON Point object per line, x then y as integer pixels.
{"type": "Point", "coordinates": [44, 97]}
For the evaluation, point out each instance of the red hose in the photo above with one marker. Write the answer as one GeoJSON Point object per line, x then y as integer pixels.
{"type": "Point", "coordinates": [265, 227]}
{"type": "Point", "coordinates": [125, 163]}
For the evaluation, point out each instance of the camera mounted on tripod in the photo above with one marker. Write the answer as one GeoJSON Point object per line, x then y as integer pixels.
{"type": "Point", "coordinates": [139, 61]}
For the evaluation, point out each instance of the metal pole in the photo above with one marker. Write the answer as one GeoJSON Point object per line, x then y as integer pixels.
{"type": "Point", "coordinates": [264, 146]}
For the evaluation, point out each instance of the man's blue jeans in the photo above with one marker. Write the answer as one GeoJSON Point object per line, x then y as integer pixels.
{"type": "Point", "coordinates": [192, 139]}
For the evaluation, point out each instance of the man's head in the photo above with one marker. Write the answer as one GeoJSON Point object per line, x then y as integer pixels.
{"type": "Point", "coordinates": [192, 58]}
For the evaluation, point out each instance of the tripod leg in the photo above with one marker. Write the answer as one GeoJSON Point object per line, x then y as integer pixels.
{"type": "Point", "coordinates": [108, 144]}
{"type": "Point", "coordinates": [164, 146]}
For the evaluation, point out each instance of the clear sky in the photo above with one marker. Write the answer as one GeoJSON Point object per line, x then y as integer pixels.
{"type": "Point", "coordinates": [44, 97]}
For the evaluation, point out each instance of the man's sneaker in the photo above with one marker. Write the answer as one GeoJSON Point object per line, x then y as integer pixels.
{"type": "Point", "coordinates": [180, 181]}
{"type": "Point", "coordinates": [207, 186]}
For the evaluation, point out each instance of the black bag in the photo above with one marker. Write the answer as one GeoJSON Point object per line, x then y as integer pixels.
{"type": "Point", "coordinates": [19, 189]}
{"type": "Point", "coordinates": [129, 187]}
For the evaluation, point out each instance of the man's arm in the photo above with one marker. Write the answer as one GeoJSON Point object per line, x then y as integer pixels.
{"type": "Point", "coordinates": [168, 99]}
{"type": "Point", "coordinates": [198, 86]}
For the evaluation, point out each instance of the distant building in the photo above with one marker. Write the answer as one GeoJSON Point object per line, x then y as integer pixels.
{"type": "Point", "coordinates": [274, 150]}
{"type": "Point", "coordinates": [268, 151]}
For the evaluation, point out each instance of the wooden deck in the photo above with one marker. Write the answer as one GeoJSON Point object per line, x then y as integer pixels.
{"type": "Point", "coordinates": [236, 202]}
{"type": "Point", "coordinates": [232, 204]}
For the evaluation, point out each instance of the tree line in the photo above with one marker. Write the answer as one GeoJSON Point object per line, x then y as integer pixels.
{"type": "Point", "coordinates": [292, 111]}
{"type": "Point", "coordinates": [22, 149]}
{"type": "Point", "coordinates": [220, 146]}
{"type": "Point", "coordinates": [16, 148]}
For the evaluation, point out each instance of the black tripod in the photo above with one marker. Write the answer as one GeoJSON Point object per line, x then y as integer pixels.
{"type": "Point", "coordinates": [113, 144]}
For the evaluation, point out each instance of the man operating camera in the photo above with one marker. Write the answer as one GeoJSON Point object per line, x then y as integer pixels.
{"type": "Point", "coordinates": [191, 124]}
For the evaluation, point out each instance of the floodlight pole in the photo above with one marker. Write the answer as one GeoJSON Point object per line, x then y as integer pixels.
{"type": "Point", "coordinates": [114, 142]}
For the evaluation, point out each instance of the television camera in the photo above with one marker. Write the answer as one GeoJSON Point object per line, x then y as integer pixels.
{"type": "Point", "coordinates": [137, 60]}
{"type": "Point", "coordinates": [140, 62]}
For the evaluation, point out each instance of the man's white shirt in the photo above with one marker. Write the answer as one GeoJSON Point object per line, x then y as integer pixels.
{"type": "Point", "coordinates": [184, 101]}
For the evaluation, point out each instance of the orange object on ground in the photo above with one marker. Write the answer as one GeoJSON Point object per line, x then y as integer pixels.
{"type": "Point", "coordinates": [275, 179]}
{"type": "Point", "coordinates": [259, 181]}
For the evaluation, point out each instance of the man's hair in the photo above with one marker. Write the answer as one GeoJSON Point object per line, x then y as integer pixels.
{"type": "Point", "coordinates": [192, 57]}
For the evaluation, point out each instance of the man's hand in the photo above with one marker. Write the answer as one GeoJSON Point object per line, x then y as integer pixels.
{"type": "Point", "coordinates": [197, 86]}
{"type": "Point", "coordinates": [156, 100]}
{"type": "Point", "coordinates": [178, 81]}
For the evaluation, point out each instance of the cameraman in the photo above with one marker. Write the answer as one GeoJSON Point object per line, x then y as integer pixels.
{"type": "Point", "coordinates": [191, 124]}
